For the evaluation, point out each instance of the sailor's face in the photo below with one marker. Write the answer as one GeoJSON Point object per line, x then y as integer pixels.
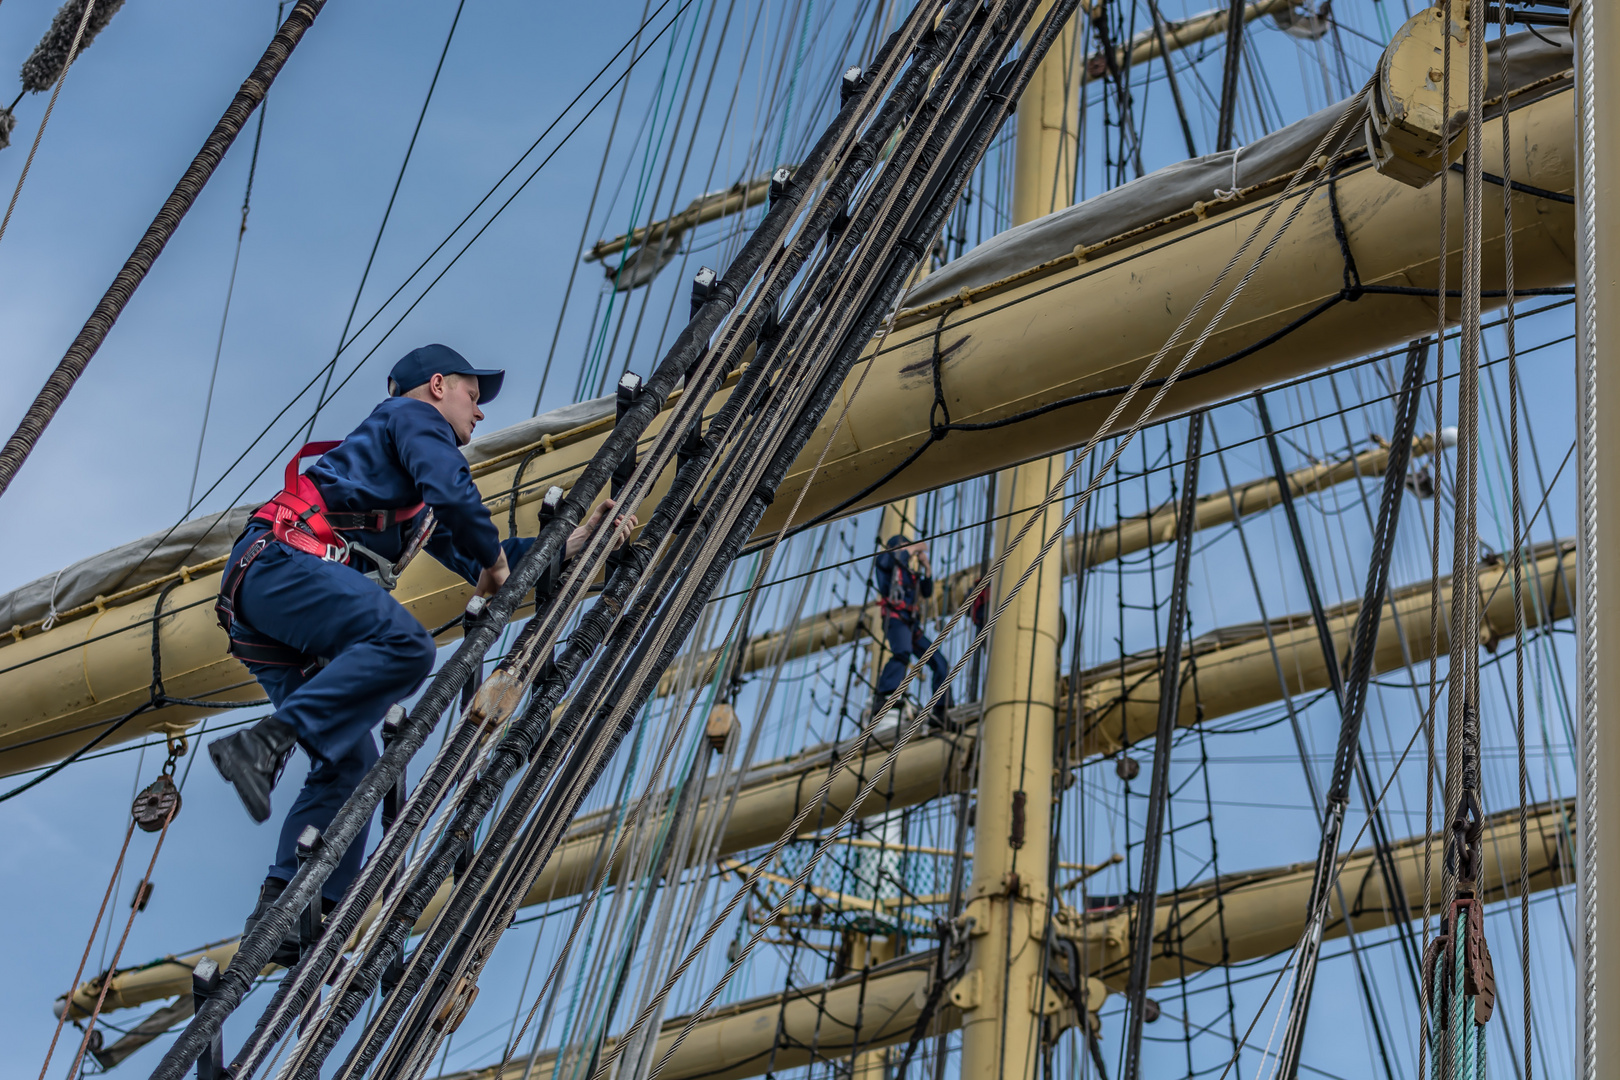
{"type": "Point", "coordinates": [460, 406]}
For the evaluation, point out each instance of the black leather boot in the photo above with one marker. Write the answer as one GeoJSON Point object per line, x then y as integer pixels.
{"type": "Point", "coordinates": [286, 953]}
{"type": "Point", "coordinates": [251, 760]}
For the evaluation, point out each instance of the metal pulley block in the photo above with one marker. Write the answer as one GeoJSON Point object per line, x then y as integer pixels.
{"type": "Point", "coordinates": [1479, 975]}
{"type": "Point", "coordinates": [1414, 125]}
{"type": "Point", "coordinates": [157, 804]}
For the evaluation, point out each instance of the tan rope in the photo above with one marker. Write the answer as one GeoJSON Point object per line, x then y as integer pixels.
{"type": "Point", "coordinates": [73, 51]}
{"type": "Point", "coordinates": [106, 983]}
{"type": "Point", "coordinates": [78, 973]}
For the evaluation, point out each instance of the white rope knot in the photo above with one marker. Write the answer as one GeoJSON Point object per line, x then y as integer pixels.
{"type": "Point", "coordinates": [51, 614]}
{"type": "Point", "coordinates": [1228, 194]}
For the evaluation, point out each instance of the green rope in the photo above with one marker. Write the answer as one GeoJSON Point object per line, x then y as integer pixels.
{"type": "Point", "coordinates": [656, 138]}
{"type": "Point", "coordinates": [793, 82]}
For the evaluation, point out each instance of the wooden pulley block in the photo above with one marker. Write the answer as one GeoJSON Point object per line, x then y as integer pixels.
{"type": "Point", "coordinates": [455, 1010]}
{"type": "Point", "coordinates": [722, 722]}
{"type": "Point", "coordinates": [157, 804]}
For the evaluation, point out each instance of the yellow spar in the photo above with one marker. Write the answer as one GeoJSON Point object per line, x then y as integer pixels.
{"type": "Point", "coordinates": [1085, 322]}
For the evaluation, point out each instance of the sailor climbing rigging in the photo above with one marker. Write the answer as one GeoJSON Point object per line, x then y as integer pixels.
{"type": "Point", "coordinates": [900, 586]}
{"type": "Point", "coordinates": [304, 596]}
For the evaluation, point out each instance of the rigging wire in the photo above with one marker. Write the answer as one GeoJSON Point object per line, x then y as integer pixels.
{"type": "Point", "coordinates": [73, 52]}
{"type": "Point", "coordinates": [85, 345]}
{"type": "Point", "coordinates": [433, 84]}
{"type": "Point", "coordinates": [267, 428]}
{"type": "Point", "coordinates": [584, 235]}
{"type": "Point", "coordinates": [1170, 686]}
{"type": "Point", "coordinates": [1181, 365]}
{"type": "Point", "coordinates": [230, 288]}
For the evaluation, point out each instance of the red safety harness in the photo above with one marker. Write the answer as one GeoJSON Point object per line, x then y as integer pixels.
{"type": "Point", "coordinates": [888, 603]}
{"type": "Point", "coordinates": [299, 518]}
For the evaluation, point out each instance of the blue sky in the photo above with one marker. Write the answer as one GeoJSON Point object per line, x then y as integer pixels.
{"type": "Point", "coordinates": [117, 461]}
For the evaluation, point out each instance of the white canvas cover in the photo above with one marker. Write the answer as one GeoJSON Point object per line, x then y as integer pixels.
{"type": "Point", "coordinates": [1531, 58]}
{"type": "Point", "coordinates": [1177, 187]}
{"type": "Point", "coordinates": [208, 537]}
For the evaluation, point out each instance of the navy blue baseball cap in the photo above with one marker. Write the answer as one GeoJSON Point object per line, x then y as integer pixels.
{"type": "Point", "coordinates": [419, 365]}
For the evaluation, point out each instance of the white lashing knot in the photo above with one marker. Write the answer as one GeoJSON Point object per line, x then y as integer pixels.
{"type": "Point", "coordinates": [1228, 194]}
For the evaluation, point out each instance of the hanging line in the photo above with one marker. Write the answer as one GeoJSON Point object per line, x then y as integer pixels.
{"type": "Point", "coordinates": [73, 52]}
{"type": "Point", "coordinates": [331, 365]}
{"type": "Point", "coordinates": [1170, 686]}
{"type": "Point", "coordinates": [153, 810]}
{"type": "Point", "coordinates": [157, 698]}
{"type": "Point", "coordinates": [230, 288]}
{"type": "Point", "coordinates": [1520, 538]}
{"type": "Point", "coordinates": [584, 235]}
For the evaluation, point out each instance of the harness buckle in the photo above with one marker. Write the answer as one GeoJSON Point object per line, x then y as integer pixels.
{"type": "Point", "coordinates": [336, 553]}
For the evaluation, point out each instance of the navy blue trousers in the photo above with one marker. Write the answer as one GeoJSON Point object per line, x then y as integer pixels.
{"type": "Point", "coordinates": [905, 638]}
{"type": "Point", "coordinates": [376, 653]}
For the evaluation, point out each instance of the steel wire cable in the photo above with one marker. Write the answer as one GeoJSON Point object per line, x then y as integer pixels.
{"type": "Point", "coordinates": [420, 805]}
{"type": "Point", "coordinates": [1520, 538]}
{"type": "Point", "coordinates": [387, 906]}
{"type": "Point", "coordinates": [426, 261]}
{"type": "Point", "coordinates": [605, 664]}
{"type": "Point", "coordinates": [674, 800]}
{"type": "Point", "coordinates": [1353, 703]}
{"type": "Point", "coordinates": [616, 445]}
{"type": "Point", "coordinates": [89, 339]}
{"type": "Point", "coordinates": [907, 730]}
{"type": "Point", "coordinates": [1462, 767]}
{"type": "Point", "coordinates": [1425, 1033]}
{"type": "Point", "coordinates": [657, 131]}
{"type": "Point", "coordinates": [230, 287]}
{"type": "Point", "coordinates": [542, 633]}
{"type": "Point", "coordinates": [584, 233]}
{"type": "Point", "coordinates": [730, 787]}
{"type": "Point", "coordinates": [388, 211]}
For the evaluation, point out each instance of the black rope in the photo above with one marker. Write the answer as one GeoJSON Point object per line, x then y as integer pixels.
{"type": "Point", "coordinates": [1226, 122]}
{"type": "Point", "coordinates": [1351, 695]}
{"type": "Point", "coordinates": [517, 487]}
{"type": "Point", "coordinates": [156, 698]}
{"type": "Point", "coordinates": [1352, 290]}
{"type": "Point", "coordinates": [1352, 275]}
{"type": "Point", "coordinates": [1523, 189]}
{"type": "Point", "coordinates": [1170, 678]}
{"type": "Point", "coordinates": [944, 974]}
{"type": "Point", "coordinates": [579, 773]}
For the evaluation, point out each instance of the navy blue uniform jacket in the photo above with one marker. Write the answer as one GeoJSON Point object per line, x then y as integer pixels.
{"type": "Point", "coordinates": [402, 454]}
{"type": "Point", "coordinates": [896, 582]}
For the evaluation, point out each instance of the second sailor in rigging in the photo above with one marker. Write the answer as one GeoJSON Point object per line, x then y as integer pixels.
{"type": "Point", "coordinates": [902, 577]}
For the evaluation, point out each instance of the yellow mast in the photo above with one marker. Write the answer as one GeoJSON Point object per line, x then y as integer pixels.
{"type": "Point", "coordinates": [1262, 915]}
{"type": "Point", "coordinates": [1087, 320]}
{"type": "Point", "coordinates": [1236, 671]}
{"type": "Point", "coordinates": [1007, 898]}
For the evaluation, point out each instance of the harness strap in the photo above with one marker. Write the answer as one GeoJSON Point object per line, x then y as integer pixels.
{"type": "Point", "coordinates": [273, 653]}
{"type": "Point", "coordinates": [298, 517]}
